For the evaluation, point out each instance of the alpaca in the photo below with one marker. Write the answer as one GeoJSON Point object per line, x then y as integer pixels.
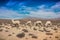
{"type": "Point", "coordinates": [48, 23]}
{"type": "Point", "coordinates": [15, 22]}
{"type": "Point", "coordinates": [2, 25]}
{"type": "Point", "coordinates": [29, 23]}
{"type": "Point", "coordinates": [58, 25]}
{"type": "Point", "coordinates": [38, 23]}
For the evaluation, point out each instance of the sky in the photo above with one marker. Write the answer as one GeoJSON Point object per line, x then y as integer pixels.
{"type": "Point", "coordinates": [29, 8]}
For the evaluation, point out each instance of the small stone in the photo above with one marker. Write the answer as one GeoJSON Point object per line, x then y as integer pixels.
{"type": "Point", "coordinates": [9, 35]}
{"type": "Point", "coordinates": [56, 37]}
{"type": "Point", "coordinates": [50, 37]}
{"type": "Point", "coordinates": [34, 28]}
{"type": "Point", "coordinates": [26, 38]}
{"type": "Point", "coordinates": [44, 39]}
{"type": "Point", "coordinates": [55, 28]}
{"type": "Point", "coordinates": [20, 35]}
{"type": "Point", "coordinates": [13, 33]}
{"type": "Point", "coordinates": [34, 36]}
{"type": "Point", "coordinates": [30, 34]}
{"type": "Point", "coordinates": [41, 30]}
{"type": "Point", "coordinates": [25, 30]}
{"type": "Point", "coordinates": [6, 30]}
{"type": "Point", "coordinates": [49, 33]}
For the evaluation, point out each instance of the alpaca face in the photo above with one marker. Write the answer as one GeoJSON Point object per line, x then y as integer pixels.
{"type": "Point", "coordinates": [48, 23]}
{"type": "Point", "coordinates": [29, 24]}
{"type": "Point", "coordinates": [38, 23]}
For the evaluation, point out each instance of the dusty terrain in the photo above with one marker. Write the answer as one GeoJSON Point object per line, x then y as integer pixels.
{"type": "Point", "coordinates": [10, 31]}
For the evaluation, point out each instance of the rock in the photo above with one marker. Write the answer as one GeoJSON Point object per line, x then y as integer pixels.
{"type": "Point", "coordinates": [6, 30]}
{"type": "Point", "coordinates": [13, 33]}
{"type": "Point", "coordinates": [9, 35]}
{"type": "Point", "coordinates": [34, 29]}
{"type": "Point", "coordinates": [41, 30]}
{"type": "Point", "coordinates": [31, 34]}
{"type": "Point", "coordinates": [56, 37]}
{"type": "Point", "coordinates": [55, 28]}
{"type": "Point", "coordinates": [50, 37]}
{"type": "Point", "coordinates": [34, 36]}
{"type": "Point", "coordinates": [44, 39]}
{"type": "Point", "coordinates": [49, 33]}
{"type": "Point", "coordinates": [20, 35]}
{"type": "Point", "coordinates": [24, 30]}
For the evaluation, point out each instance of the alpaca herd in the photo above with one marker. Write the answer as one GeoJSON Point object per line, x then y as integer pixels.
{"type": "Point", "coordinates": [17, 23]}
{"type": "Point", "coordinates": [37, 23]}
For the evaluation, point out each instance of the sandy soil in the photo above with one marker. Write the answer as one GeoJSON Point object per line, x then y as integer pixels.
{"type": "Point", "coordinates": [8, 32]}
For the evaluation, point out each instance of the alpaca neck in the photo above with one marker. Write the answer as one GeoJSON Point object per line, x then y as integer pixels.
{"type": "Point", "coordinates": [13, 21]}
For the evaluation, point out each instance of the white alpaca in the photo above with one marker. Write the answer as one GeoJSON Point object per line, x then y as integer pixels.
{"type": "Point", "coordinates": [48, 23]}
{"type": "Point", "coordinates": [16, 22]}
{"type": "Point", "coordinates": [38, 23]}
{"type": "Point", "coordinates": [29, 23]}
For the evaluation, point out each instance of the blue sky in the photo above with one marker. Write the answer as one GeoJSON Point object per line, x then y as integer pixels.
{"type": "Point", "coordinates": [29, 8]}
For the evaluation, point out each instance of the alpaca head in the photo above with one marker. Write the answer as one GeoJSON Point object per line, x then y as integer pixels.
{"type": "Point", "coordinates": [38, 23]}
{"type": "Point", "coordinates": [29, 23]}
{"type": "Point", "coordinates": [48, 23]}
{"type": "Point", "coordinates": [12, 20]}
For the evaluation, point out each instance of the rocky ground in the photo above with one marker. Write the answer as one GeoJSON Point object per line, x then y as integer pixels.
{"type": "Point", "coordinates": [23, 32]}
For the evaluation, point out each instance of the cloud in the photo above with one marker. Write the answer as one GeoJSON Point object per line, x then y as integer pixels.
{"type": "Point", "coordinates": [44, 13]}
{"type": "Point", "coordinates": [57, 5]}
{"type": "Point", "coordinates": [6, 13]}
{"type": "Point", "coordinates": [24, 11]}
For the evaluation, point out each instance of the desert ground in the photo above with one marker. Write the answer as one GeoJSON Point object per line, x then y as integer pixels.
{"type": "Point", "coordinates": [29, 29]}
